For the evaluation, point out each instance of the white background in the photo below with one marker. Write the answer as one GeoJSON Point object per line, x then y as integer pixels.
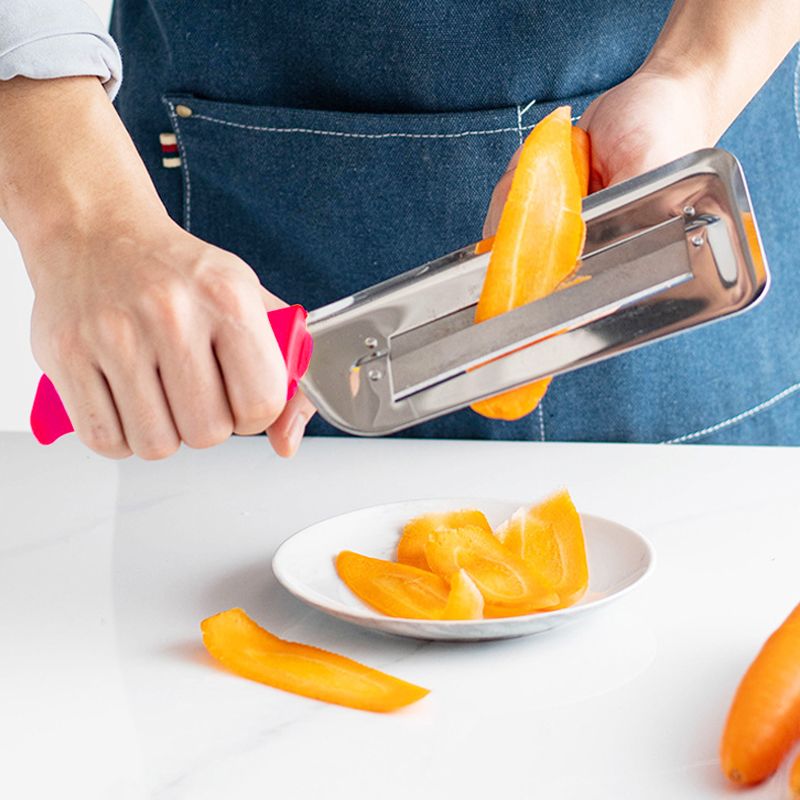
{"type": "Point", "coordinates": [18, 371]}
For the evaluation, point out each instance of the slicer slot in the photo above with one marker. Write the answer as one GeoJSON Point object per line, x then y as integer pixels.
{"type": "Point", "coordinates": [632, 270]}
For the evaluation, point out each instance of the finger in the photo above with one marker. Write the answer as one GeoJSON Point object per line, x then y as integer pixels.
{"type": "Point", "coordinates": [286, 433]}
{"type": "Point", "coordinates": [252, 368]}
{"type": "Point", "coordinates": [496, 204]}
{"type": "Point", "coordinates": [143, 409]}
{"type": "Point", "coordinates": [90, 405]}
{"type": "Point", "coordinates": [195, 391]}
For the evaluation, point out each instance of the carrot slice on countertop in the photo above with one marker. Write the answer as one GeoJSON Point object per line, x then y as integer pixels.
{"type": "Point", "coordinates": [502, 577]}
{"type": "Point", "coordinates": [397, 590]}
{"type": "Point", "coordinates": [764, 719]}
{"type": "Point", "coordinates": [539, 240]}
{"type": "Point", "coordinates": [465, 600]}
{"type": "Point", "coordinates": [549, 537]}
{"type": "Point", "coordinates": [252, 652]}
{"type": "Point", "coordinates": [411, 548]}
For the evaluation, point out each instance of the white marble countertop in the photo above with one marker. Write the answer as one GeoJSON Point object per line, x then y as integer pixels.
{"type": "Point", "coordinates": [106, 570]}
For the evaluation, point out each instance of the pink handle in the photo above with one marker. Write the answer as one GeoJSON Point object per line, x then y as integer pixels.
{"type": "Point", "coordinates": [49, 418]}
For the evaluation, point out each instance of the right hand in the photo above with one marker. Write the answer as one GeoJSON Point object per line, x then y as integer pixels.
{"type": "Point", "coordinates": [153, 337]}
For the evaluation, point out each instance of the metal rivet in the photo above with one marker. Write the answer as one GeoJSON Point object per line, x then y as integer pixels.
{"type": "Point", "coordinates": [371, 342]}
{"type": "Point", "coordinates": [374, 374]}
{"type": "Point", "coordinates": [183, 111]}
{"type": "Point", "coordinates": [688, 211]}
{"type": "Point", "coordinates": [697, 241]}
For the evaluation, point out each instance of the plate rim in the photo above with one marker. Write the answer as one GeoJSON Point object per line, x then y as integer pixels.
{"type": "Point", "coordinates": [358, 615]}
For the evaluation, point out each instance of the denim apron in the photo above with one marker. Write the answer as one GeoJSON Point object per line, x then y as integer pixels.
{"type": "Point", "coordinates": [332, 145]}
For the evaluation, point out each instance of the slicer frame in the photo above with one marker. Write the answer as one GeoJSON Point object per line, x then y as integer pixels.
{"type": "Point", "coordinates": [665, 252]}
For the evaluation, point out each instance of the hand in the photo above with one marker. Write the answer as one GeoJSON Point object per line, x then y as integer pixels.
{"type": "Point", "coordinates": [647, 120]}
{"type": "Point", "coordinates": [644, 122]}
{"type": "Point", "coordinates": [153, 337]}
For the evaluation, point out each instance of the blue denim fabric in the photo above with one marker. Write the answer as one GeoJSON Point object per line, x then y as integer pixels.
{"type": "Point", "coordinates": [332, 147]}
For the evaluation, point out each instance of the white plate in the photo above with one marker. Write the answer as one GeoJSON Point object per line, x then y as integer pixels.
{"type": "Point", "coordinates": [619, 559]}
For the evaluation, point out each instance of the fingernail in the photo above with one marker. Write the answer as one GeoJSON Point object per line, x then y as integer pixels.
{"type": "Point", "coordinates": [295, 433]}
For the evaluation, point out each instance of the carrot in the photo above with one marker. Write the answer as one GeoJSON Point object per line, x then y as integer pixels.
{"type": "Point", "coordinates": [764, 719]}
{"type": "Point", "coordinates": [794, 779]}
{"type": "Point", "coordinates": [252, 652]}
{"type": "Point", "coordinates": [539, 238]}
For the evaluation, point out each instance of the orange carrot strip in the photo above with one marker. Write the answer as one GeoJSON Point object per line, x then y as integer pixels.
{"type": "Point", "coordinates": [549, 538]}
{"type": "Point", "coordinates": [397, 590]}
{"type": "Point", "coordinates": [502, 577]}
{"type": "Point", "coordinates": [538, 241]}
{"type": "Point", "coordinates": [252, 652]}
{"type": "Point", "coordinates": [411, 548]}
{"type": "Point", "coordinates": [764, 719]}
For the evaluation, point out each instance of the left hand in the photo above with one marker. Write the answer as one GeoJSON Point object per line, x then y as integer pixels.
{"type": "Point", "coordinates": [647, 120]}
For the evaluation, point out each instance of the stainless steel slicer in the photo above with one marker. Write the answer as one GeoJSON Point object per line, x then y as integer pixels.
{"type": "Point", "coordinates": [665, 252]}
{"type": "Point", "coordinates": [670, 250]}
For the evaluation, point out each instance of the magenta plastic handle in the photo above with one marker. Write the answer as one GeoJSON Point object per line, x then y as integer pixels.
{"type": "Point", "coordinates": [49, 418]}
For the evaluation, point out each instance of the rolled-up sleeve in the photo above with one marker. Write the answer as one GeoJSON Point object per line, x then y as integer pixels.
{"type": "Point", "coordinates": [56, 39]}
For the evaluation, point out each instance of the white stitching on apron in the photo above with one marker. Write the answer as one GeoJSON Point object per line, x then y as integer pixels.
{"type": "Point", "coordinates": [542, 437]}
{"type": "Point", "coordinates": [519, 126]}
{"type": "Point", "coordinates": [187, 183]}
{"type": "Point", "coordinates": [527, 108]}
{"type": "Point", "coordinates": [346, 135]}
{"type": "Point", "coordinates": [738, 418]}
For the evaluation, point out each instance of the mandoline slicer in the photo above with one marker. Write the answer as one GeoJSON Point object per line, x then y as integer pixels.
{"type": "Point", "coordinates": [670, 250]}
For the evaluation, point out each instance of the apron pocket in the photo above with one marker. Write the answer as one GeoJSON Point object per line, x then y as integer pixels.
{"type": "Point", "coordinates": [323, 203]}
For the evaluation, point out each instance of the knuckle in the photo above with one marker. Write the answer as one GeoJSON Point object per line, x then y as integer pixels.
{"type": "Point", "coordinates": [229, 298]}
{"type": "Point", "coordinates": [66, 344]}
{"type": "Point", "coordinates": [258, 416]}
{"type": "Point", "coordinates": [165, 304]}
{"type": "Point", "coordinates": [105, 440]}
{"type": "Point", "coordinates": [116, 332]}
{"type": "Point", "coordinates": [157, 450]}
{"type": "Point", "coordinates": [210, 436]}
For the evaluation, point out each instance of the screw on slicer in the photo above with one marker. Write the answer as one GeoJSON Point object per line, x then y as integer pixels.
{"type": "Point", "coordinates": [371, 342]}
{"type": "Point", "coordinates": [697, 241]}
{"type": "Point", "coordinates": [374, 374]}
{"type": "Point", "coordinates": [688, 211]}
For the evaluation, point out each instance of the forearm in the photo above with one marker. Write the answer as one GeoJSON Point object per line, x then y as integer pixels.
{"type": "Point", "coordinates": [67, 164]}
{"type": "Point", "coordinates": [730, 47]}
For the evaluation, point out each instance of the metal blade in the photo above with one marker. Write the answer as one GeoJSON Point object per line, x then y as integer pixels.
{"type": "Point", "coordinates": [626, 273]}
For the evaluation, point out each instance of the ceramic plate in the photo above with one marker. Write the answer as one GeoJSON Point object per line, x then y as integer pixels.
{"type": "Point", "coordinates": [619, 558]}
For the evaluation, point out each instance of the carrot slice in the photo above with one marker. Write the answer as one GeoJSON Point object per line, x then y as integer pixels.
{"type": "Point", "coordinates": [397, 590]}
{"type": "Point", "coordinates": [465, 600]}
{"type": "Point", "coordinates": [549, 537]}
{"type": "Point", "coordinates": [538, 241]}
{"type": "Point", "coordinates": [484, 245]}
{"type": "Point", "coordinates": [794, 779]}
{"type": "Point", "coordinates": [502, 577]}
{"type": "Point", "coordinates": [764, 719]}
{"type": "Point", "coordinates": [411, 548]}
{"type": "Point", "coordinates": [252, 652]}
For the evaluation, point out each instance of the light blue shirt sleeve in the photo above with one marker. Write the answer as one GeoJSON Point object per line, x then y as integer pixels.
{"type": "Point", "coordinates": [56, 39]}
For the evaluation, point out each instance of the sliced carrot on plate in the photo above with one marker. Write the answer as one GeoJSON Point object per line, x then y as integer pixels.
{"type": "Point", "coordinates": [539, 239]}
{"type": "Point", "coordinates": [397, 590]}
{"type": "Point", "coordinates": [252, 652]}
{"type": "Point", "coordinates": [465, 600]}
{"type": "Point", "coordinates": [549, 537]}
{"type": "Point", "coordinates": [411, 548]}
{"type": "Point", "coordinates": [764, 719]}
{"type": "Point", "coordinates": [502, 577]}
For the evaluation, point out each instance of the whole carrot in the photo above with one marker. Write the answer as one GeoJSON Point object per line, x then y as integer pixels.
{"type": "Point", "coordinates": [764, 720]}
{"type": "Point", "coordinates": [794, 779]}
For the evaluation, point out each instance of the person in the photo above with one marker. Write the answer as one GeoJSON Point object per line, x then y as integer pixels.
{"type": "Point", "coordinates": [263, 153]}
